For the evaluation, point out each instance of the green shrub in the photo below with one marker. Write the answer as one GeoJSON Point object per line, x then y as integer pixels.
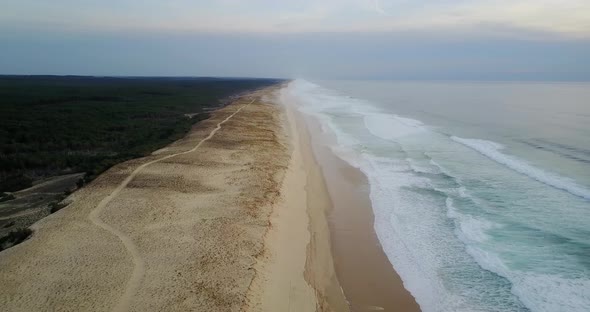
{"type": "Point", "coordinates": [14, 237]}
{"type": "Point", "coordinates": [56, 206]}
{"type": "Point", "coordinates": [6, 197]}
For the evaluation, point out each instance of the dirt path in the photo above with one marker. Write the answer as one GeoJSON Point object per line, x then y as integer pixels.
{"type": "Point", "coordinates": [138, 262]}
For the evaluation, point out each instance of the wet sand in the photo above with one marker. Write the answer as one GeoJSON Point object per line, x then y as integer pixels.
{"type": "Point", "coordinates": [368, 279]}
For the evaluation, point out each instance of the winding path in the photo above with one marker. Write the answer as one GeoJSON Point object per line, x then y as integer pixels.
{"type": "Point", "coordinates": [138, 263]}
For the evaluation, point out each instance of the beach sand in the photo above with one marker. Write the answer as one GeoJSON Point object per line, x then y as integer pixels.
{"type": "Point", "coordinates": [233, 217]}
{"type": "Point", "coordinates": [369, 281]}
{"type": "Point", "coordinates": [297, 272]}
{"type": "Point", "coordinates": [366, 276]}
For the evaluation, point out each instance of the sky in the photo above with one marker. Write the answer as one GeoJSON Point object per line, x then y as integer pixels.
{"type": "Point", "coordinates": [318, 39]}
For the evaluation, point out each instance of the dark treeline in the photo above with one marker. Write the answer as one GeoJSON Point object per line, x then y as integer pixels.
{"type": "Point", "coordinates": [56, 125]}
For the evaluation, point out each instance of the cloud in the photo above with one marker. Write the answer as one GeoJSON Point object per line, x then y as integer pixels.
{"type": "Point", "coordinates": [318, 55]}
{"type": "Point", "coordinates": [379, 9]}
{"type": "Point", "coordinates": [567, 18]}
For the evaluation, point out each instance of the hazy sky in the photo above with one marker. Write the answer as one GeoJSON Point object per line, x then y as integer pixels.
{"type": "Point", "coordinates": [397, 39]}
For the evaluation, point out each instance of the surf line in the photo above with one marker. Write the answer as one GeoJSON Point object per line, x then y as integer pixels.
{"type": "Point", "coordinates": [138, 262]}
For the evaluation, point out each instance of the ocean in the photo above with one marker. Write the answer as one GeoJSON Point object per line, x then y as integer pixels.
{"type": "Point", "coordinates": [480, 190]}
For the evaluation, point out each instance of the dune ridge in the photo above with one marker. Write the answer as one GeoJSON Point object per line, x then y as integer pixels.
{"type": "Point", "coordinates": [203, 224]}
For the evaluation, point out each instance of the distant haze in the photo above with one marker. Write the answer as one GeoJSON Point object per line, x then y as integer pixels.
{"type": "Point", "coordinates": [329, 39]}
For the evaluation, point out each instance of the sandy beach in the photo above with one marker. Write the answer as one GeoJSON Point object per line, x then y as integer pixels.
{"type": "Point", "coordinates": [233, 217]}
{"type": "Point", "coordinates": [367, 278]}
{"type": "Point", "coordinates": [369, 281]}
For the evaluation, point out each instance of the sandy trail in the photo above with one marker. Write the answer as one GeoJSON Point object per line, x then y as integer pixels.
{"type": "Point", "coordinates": [183, 231]}
{"type": "Point", "coordinates": [138, 262]}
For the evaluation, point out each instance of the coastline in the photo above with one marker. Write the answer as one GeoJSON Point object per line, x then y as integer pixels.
{"type": "Point", "coordinates": [367, 278]}
{"type": "Point", "coordinates": [296, 272]}
{"type": "Point", "coordinates": [242, 214]}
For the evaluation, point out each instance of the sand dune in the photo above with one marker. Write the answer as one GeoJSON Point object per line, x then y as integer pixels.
{"type": "Point", "coordinates": [186, 229]}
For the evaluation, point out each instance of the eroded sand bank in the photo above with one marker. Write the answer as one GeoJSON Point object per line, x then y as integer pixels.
{"type": "Point", "coordinates": [214, 222]}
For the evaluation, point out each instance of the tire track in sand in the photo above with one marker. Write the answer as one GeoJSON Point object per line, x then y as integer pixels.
{"type": "Point", "coordinates": [138, 263]}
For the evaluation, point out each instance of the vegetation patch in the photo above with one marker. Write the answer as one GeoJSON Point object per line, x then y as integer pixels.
{"type": "Point", "coordinates": [59, 125]}
{"type": "Point", "coordinates": [6, 197]}
{"type": "Point", "coordinates": [15, 237]}
{"type": "Point", "coordinates": [56, 206]}
{"type": "Point", "coordinates": [53, 129]}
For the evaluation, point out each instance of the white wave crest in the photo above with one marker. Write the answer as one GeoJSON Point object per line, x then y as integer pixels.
{"type": "Point", "coordinates": [492, 150]}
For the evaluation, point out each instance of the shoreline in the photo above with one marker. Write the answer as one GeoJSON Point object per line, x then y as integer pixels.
{"type": "Point", "coordinates": [249, 222]}
{"type": "Point", "coordinates": [367, 278]}
{"type": "Point", "coordinates": [296, 271]}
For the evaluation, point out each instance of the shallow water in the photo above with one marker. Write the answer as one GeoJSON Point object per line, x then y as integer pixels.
{"type": "Point", "coordinates": [481, 191]}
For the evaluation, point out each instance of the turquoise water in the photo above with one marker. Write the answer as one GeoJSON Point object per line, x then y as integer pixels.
{"type": "Point", "coordinates": [481, 191]}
